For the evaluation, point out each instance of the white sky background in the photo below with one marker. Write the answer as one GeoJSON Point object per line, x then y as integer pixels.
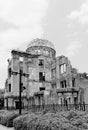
{"type": "Point", "coordinates": [20, 21]}
{"type": "Point", "coordinates": [63, 22]}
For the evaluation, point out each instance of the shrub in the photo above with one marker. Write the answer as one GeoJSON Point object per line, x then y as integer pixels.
{"type": "Point", "coordinates": [71, 115]}
{"type": "Point", "coordinates": [9, 121]}
{"type": "Point", "coordinates": [52, 121]}
{"type": "Point", "coordinates": [6, 117]}
{"type": "Point", "coordinates": [2, 113]}
{"type": "Point", "coordinates": [18, 122]}
{"type": "Point", "coordinates": [21, 121]}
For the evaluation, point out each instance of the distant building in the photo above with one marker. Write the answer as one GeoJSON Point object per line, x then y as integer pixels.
{"type": "Point", "coordinates": [1, 98]}
{"type": "Point", "coordinates": [51, 79]}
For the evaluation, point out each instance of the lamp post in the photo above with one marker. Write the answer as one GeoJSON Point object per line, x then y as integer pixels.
{"type": "Point", "coordinates": [20, 89]}
{"type": "Point", "coordinates": [20, 86]}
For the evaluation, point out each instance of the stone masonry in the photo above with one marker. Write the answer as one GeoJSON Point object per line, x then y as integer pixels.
{"type": "Point", "coordinates": [51, 79]}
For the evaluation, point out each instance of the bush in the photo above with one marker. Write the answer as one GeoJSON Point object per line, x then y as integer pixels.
{"type": "Point", "coordinates": [9, 121]}
{"type": "Point", "coordinates": [48, 121]}
{"type": "Point", "coordinates": [18, 122]}
{"type": "Point", "coordinates": [2, 113]}
{"type": "Point", "coordinates": [52, 121]}
{"type": "Point", "coordinates": [21, 121]}
{"type": "Point", "coordinates": [6, 117]}
{"type": "Point", "coordinates": [71, 115]}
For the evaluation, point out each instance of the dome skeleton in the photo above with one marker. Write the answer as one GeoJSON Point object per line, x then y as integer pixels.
{"type": "Point", "coordinates": [41, 42]}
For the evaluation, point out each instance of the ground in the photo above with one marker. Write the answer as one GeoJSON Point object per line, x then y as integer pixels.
{"type": "Point", "coordinates": [5, 128]}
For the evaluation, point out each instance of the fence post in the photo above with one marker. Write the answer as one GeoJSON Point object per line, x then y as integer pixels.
{"type": "Point", "coordinates": [53, 107]}
{"type": "Point", "coordinates": [43, 106]}
{"type": "Point", "coordinates": [84, 106]}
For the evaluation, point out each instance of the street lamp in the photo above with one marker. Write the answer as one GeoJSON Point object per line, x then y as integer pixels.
{"type": "Point", "coordinates": [20, 86]}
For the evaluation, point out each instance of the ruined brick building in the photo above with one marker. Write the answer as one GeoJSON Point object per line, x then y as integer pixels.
{"type": "Point", "coordinates": [51, 79]}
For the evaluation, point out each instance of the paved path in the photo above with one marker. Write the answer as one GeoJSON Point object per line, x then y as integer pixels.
{"type": "Point", "coordinates": [5, 128]}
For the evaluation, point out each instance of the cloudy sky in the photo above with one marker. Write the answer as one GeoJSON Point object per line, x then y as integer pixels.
{"type": "Point", "coordinates": [63, 22]}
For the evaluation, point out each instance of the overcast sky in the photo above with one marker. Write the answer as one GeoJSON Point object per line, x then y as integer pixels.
{"type": "Point", "coordinates": [63, 22]}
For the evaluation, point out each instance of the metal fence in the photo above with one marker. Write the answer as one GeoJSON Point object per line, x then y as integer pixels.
{"type": "Point", "coordinates": [52, 107]}
{"type": "Point", "coordinates": [56, 107]}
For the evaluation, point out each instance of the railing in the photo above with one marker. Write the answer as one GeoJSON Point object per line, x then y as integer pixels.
{"type": "Point", "coordinates": [57, 107]}
{"type": "Point", "coordinates": [52, 107]}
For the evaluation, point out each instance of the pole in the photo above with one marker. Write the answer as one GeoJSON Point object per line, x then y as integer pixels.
{"type": "Point", "coordinates": [20, 74]}
{"type": "Point", "coordinates": [7, 103]}
{"type": "Point", "coordinates": [20, 87]}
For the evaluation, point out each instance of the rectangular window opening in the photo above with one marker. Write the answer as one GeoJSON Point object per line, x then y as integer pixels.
{"type": "Point", "coordinates": [41, 62]}
{"type": "Point", "coordinates": [42, 88]}
{"type": "Point", "coordinates": [63, 84]}
{"type": "Point", "coordinates": [53, 72]}
{"type": "Point", "coordinates": [9, 87]}
{"type": "Point", "coordinates": [41, 76]}
{"type": "Point", "coordinates": [62, 68]}
{"type": "Point", "coordinates": [73, 82]}
{"type": "Point", "coordinates": [9, 72]}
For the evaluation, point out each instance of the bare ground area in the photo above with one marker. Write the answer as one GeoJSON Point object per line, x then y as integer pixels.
{"type": "Point", "coordinates": [5, 128]}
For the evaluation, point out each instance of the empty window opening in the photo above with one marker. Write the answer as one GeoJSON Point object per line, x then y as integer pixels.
{"type": "Point", "coordinates": [9, 87]}
{"type": "Point", "coordinates": [53, 72]}
{"type": "Point", "coordinates": [63, 68]}
{"type": "Point", "coordinates": [73, 82]}
{"type": "Point", "coordinates": [42, 88]}
{"type": "Point", "coordinates": [41, 76]}
{"type": "Point", "coordinates": [21, 59]}
{"type": "Point", "coordinates": [9, 72]}
{"type": "Point", "coordinates": [63, 84]}
{"type": "Point", "coordinates": [41, 62]}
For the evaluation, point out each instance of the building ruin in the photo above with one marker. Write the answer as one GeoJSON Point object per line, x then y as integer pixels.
{"type": "Point", "coordinates": [51, 79]}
